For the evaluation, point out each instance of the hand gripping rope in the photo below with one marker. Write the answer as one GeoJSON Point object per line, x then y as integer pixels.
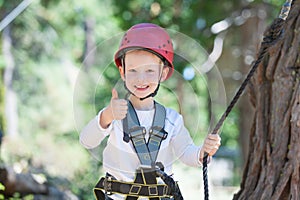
{"type": "Point", "coordinates": [271, 36]}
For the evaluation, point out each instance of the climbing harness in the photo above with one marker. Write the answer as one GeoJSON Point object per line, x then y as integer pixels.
{"type": "Point", "coordinates": [145, 182]}
{"type": "Point", "coordinates": [272, 35]}
{"type": "Point", "coordinates": [147, 152]}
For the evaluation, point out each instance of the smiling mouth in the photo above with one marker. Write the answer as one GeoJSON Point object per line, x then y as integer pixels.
{"type": "Point", "coordinates": [141, 88]}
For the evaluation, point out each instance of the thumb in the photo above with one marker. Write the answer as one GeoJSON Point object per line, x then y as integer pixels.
{"type": "Point", "coordinates": [114, 94]}
{"type": "Point", "coordinates": [201, 155]}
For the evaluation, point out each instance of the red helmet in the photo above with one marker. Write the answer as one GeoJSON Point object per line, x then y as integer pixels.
{"type": "Point", "coordinates": [150, 37]}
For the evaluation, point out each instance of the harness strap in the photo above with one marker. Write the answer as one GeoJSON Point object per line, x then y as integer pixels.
{"type": "Point", "coordinates": [112, 185]}
{"type": "Point", "coordinates": [157, 132]}
{"type": "Point", "coordinates": [145, 182]}
{"type": "Point", "coordinates": [144, 176]}
{"type": "Point", "coordinates": [147, 152]}
{"type": "Point", "coordinates": [137, 134]}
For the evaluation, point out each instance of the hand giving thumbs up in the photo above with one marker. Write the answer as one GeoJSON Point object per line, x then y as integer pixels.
{"type": "Point", "coordinates": [116, 110]}
{"type": "Point", "coordinates": [118, 106]}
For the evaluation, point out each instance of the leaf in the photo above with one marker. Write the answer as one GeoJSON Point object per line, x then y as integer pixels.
{"type": "Point", "coordinates": [2, 187]}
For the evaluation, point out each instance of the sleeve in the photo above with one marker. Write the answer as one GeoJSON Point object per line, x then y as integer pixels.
{"type": "Point", "coordinates": [183, 145]}
{"type": "Point", "coordinates": [93, 134]}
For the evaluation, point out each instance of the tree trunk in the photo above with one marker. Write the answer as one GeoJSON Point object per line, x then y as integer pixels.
{"type": "Point", "coordinates": [20, 183]}
{"type": "Point", "coordinates": [27, 183]}
{"type": "Point", "coordinates": [11, 113]}
{"type": "Point", "coordinates": [89, 44]}
{"type": "Point", "coordinates": [251, 30]}
{"type": "Point", "coordinates": [273, 164]}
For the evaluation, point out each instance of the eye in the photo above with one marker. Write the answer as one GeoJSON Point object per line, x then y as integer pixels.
{"type": "Point", "coordinates": [150, 70]}
{"type": "Point", "coordinates": [131, 70]}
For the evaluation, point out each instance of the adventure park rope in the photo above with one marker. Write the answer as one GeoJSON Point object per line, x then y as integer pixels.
{"type": "Point", "coordinates": [271, 36]}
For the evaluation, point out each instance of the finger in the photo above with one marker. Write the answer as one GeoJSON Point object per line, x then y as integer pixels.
{"type": "Point", "coordinates": [123, 110]}
{"type": "Point", "coordinates": [121, 116]}
{"type": "Point", "coordinates": [123, 102]}
{"type": "Point", "coordinates": [119, 105]}
{"type": "Point", "coordinates": [114, 94]}
{"type": "Point", "coordinates": [209, 143]}
{"type": "Point", "coordinates": [201, 155]}
{"type": "Point", "coordinates": [212, 143]}
{"type": "Point", "coordinates": [213, 150]}
{"type": "Point", "coordinates": [214, 137]}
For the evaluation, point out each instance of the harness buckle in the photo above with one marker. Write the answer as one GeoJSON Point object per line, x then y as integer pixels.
{"type": "Point", "coordinates": [145, 167]}
{"type": "Point", "coordinates": [135, 189]}
{"type": "Point", "coordinates": [166, 190]}
{"type": "Point", "coordinates": [108, 185]}
{"type": "Point", "coordinates": [158, 132]}
{"type": "Point", "coordinates": [137, 132]}
{"type": "Point", "coordinates": [152, 190]}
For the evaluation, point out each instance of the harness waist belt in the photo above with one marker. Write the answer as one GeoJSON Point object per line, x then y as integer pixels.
{"type": "Point", "coordinates": [133, 189]}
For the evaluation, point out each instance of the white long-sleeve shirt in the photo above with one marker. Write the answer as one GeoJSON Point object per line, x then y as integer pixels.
{"type": "Point", "coordinates": [120, 158]}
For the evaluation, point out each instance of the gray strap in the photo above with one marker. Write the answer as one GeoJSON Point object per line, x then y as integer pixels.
{"type": "Point", "coordinates": [137, 135]}
{"type": "Point", "coordinates": [157, 132]}
{"type": "Point", "coordinates": [147, 152]}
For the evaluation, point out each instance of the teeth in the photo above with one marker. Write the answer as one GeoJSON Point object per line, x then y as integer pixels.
{"type": "Point", "coordinates": [141, 87]}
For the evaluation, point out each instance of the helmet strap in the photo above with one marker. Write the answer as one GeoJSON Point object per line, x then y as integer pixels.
{"type": "Point", "coordinates": [143, 98]}
{"type": "Point", "coordinates": [152, 94]}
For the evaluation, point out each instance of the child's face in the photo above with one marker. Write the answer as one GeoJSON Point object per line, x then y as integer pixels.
{"type": "Point", "coordinates": [143, 71]}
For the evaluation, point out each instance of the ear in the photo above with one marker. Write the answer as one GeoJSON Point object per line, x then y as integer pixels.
{"type": "Point", "coordinates": [122, 73]}
{"type": "Point", "coordinates": [165, 72]}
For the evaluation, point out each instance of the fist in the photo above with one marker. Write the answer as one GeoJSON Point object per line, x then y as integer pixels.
{"type": "Point", "coordinates": [210, 146]}
{"type": "Point", "coordinates": [118, 106]}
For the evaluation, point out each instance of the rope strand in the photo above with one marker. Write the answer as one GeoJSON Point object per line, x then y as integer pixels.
{"type": "Point", "coordinates": [205, 177]}
{"type": "Point", "coordinates": [272, 35]}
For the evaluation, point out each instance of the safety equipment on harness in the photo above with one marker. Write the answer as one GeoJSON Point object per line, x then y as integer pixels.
{"type": "Point", "coordinates": [146, 151]}
{"type": "Point", "coordinates": [111, 185]}
{"type": "Point", "coordinates": [145, 182]}
{"type": "Point", "coordinates": [150, 37]}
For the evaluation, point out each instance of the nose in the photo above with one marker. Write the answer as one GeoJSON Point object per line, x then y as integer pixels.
{"type": "Point", "coordinates": [141, 77]}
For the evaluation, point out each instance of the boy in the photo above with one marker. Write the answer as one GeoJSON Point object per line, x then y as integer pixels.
{"type": "Point", "coordinates": [144, 137]}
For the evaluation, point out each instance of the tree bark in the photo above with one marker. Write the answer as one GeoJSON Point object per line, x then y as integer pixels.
{"type": "Point", "coordinates": [11, 113]}
{"type": "Point", "coordinates": [20, 183]}
{"type": "Point", "coordinates": [26, 183]}
{"type": "Point", "coordinates": [89, 44]}
{"type": "Point", "coordinates": [273, 164]}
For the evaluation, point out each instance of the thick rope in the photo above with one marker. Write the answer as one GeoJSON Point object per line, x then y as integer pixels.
{"type": "Point", "coordinates": [271, 36]}
{"type": "Point", "coordinates": [175, 191]}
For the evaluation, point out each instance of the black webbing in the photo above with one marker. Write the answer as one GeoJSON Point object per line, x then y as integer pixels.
{"type": "Point", "coordinates": [271, 36]}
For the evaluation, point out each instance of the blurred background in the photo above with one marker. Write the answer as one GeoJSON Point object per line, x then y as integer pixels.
{"type": "Point", "coordinates": [57, 72]}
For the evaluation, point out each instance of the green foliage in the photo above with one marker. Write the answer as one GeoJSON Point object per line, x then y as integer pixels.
{"type": "Point", "coordinates": [2, 121]}
{"type": "Point", "coordinates": [2, 63]}
{"type": "Point", "coordinates": [48, 47]}
{"type": "Point", "coordinates": [2, 188]}
{"type": "Point", "coordinates": [192, 17]}
{"type": "Point", "coordinates": [17, 196]}
{"type": "Point", "coordinates": [86, 180]}
{"type": "Point", "coordinates": [231, 131]}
